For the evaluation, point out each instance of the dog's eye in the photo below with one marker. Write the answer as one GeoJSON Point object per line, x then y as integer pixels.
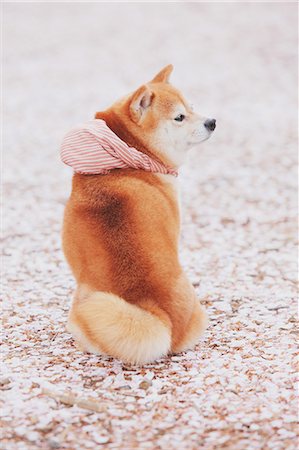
{"type": "Point", "coordinates": [180, 118]}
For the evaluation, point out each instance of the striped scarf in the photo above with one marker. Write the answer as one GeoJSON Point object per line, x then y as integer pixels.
{"type": "Point", "coordinates": [93, 148]}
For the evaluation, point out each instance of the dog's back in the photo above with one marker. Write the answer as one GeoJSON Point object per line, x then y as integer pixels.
{"type": "Point", "coordinates": [131, 220]}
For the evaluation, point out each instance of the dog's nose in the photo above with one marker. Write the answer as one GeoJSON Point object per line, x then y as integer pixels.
{"type": "Point", "coordinates": [210, 124]}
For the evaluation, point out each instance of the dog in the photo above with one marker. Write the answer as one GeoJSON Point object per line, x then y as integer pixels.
{"type": "Point", "coordinates": [121, 229]}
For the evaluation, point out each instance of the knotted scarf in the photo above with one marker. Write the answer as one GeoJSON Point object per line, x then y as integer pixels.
{"type": "Point", "coordinates": [93, 148]}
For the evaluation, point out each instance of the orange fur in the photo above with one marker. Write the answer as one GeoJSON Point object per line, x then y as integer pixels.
{"type": "Point", "coordinates": [120, 237]}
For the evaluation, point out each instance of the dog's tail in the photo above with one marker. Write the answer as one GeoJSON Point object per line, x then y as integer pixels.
{"type": "Point", "coordinates": [105, 323]}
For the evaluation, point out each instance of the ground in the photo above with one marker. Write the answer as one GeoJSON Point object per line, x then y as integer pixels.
{"type": "Point", "coordinates": [237, 63]}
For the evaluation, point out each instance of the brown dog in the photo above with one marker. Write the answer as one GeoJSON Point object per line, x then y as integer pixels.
{"type": "Point", "coordinates": [121, 233]}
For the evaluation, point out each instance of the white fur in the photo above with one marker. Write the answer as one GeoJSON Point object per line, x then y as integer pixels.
{"type": "Point", "coordinates": [173, 181]}
{"type": "Point", "coordinates": [175, 139]}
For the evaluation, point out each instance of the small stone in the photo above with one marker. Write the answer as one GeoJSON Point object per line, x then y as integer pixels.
{"type": "Point", "coordinates": [101, 439]}
{"type": "Point", "coordinates": [4, 381]}
{"type": "Point", "coordinates": [53, 443]}
{"type": "Point", "coordinates": [145, 384]}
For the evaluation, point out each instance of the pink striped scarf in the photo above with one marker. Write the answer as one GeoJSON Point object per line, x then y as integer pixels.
{"type": "Point", "coordinates": [92, 148]}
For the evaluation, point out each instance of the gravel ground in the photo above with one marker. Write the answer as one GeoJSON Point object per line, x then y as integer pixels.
{"type": "Point", "coordinates": [236, 390]}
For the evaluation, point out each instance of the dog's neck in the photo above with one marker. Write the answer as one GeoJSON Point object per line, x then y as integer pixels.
{"type": "Point", "coordinates": [117, 124]}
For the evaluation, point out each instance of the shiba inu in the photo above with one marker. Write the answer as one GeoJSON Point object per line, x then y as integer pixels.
{"type": "Point", "coordinates": [122, 222]}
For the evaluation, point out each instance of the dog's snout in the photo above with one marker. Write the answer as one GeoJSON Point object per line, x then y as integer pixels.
{"type": "Point", "coordinates": [210, 124]}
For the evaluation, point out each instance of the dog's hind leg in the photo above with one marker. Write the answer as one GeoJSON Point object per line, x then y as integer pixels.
{"type": "Point", "coordinates": [196, 327]}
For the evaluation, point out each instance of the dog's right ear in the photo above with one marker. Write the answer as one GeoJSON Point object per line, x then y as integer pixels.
{"type": "Point", "coordinates": [140, 103]}
{"type": "Point", "coordinates": [164, 75]}
{"type": "Point", "coordinates": [99, 115]}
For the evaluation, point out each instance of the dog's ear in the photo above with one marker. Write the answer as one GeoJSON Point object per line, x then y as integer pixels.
{"type": "Point", "coordinates": [164, 75]}
{"type": "Point", "coordinates": [99, 115]}
{"type": "Point", "coordinates": [140, 102]}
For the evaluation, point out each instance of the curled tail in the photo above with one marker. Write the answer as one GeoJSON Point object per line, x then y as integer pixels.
{"type": "Point", "coordinates": [105, 323]}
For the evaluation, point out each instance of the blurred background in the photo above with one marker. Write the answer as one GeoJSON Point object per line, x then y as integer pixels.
{"type": "Point", "coordinates": [236, 62]}
{"type": "Point", "coordinates": [63, 62]}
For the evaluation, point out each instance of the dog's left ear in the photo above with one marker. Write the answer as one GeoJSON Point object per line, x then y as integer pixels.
{"type": "Point", "coordinates": [140, 102]}
{"type": "Point", "coordinates": [164, 75]}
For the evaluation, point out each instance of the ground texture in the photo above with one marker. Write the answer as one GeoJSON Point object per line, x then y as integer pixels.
{"type": "Point", "coordinates": [236, 390]}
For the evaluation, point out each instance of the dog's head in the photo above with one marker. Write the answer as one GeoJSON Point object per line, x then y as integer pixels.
{"type": "Point", "coordinates": [159, 116]}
